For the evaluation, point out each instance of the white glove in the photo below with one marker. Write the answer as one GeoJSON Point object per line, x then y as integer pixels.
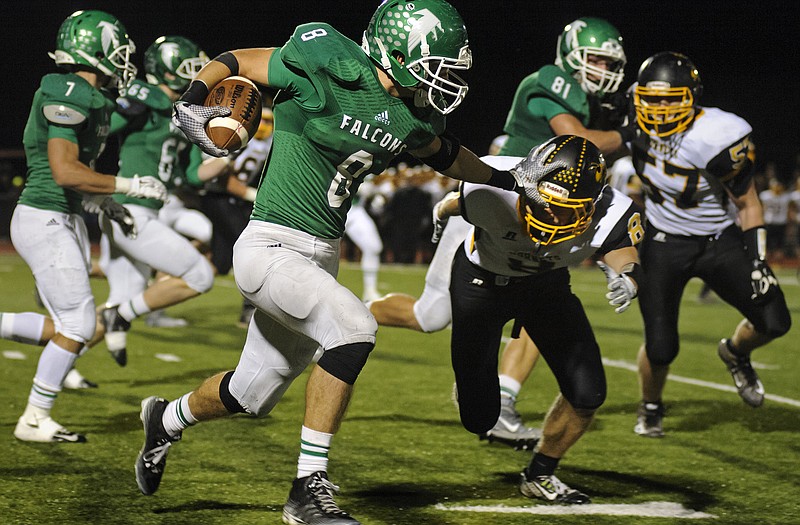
{"type": "Point", "coordinates": [440, 222]}
{"type": "Point", "coordinates": [622, 289]}
{"type": "Point", "coordinates": [192, 119]}
{"type": "Point", "coordinates": [532, 168]}
{"type": "Point", "coordinates": [141, 187]}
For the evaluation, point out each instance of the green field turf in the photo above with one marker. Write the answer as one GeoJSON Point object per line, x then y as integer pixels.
{"type": "Point", "coordinates": [402, 456]}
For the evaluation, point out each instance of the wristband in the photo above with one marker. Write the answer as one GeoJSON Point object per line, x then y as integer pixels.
{"type": "Point", "coordinates": [503, 180]}
{"type": "Point", "coordinates": [755, 243]}
{"type": "Point", "coordinates": [196, 94]}
{"type": "Point", "coordinates": [229, 59]}
{"type": "Point", "coordinates": [122, 185]}
{"type": "Point", "coordinates": [446, 156]}
{"type": "Point", "coordinates": [634, 271]}
{"type": "Point", "coordinates": [250, 194]}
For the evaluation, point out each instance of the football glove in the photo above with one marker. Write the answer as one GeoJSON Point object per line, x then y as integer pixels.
{"type": "Point", "coordinates": [192, 119]}
{"type": "Point", "coordinates": [141, 187]}
{"type": "Point", "coordinates": [763, 281]}
{"type": "Point", "coordinates": [621, 288]}
{"type": "Point", "coordinates": [108, 207]}
{"type": "Point", "coordinates": [532, 169]}
{"type": "Point", "coordinates": [440, 222]}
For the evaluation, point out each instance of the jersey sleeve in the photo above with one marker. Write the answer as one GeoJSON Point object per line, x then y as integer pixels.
{"type": "Point", "coordinates": [65, 105]}
{"type": "Point", "coordinates": [734, 166]}
{"type": "Point", "coordinates": [561, 91]}
{"type": "Point", "coordinates": [195, 160]}
{"type": "Point", "coordinates": [628, 226]}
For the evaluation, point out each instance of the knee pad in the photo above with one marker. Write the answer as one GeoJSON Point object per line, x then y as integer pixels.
{"type": "Point", "coordinates": [345, 362]}
{"type": "Point", "coordinates": [231, 403]}
{"type": "Point", "coordinates": [432, 310]}
{"type": "Point", "coordinates": [79, 324]}
{"type": "Point", "coordinates": [661, 352]}
{"type": "Point", "coordinates": [200, 276]}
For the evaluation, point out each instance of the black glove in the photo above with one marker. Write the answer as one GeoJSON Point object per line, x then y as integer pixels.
{"type": "Point", "coordinates": [614, 110]}
{"type": "Point", "coordinates": [762, 280]}
{"type": "Point", "coordinates": [103, 204]}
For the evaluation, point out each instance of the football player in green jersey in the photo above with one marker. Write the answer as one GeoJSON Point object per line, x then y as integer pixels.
{"type": "Point", "coordinates": [343, 111]}
{"type": "Point", "coordinates": [150, 143]}
{"type": "Point", "coordinates": [65, 133]}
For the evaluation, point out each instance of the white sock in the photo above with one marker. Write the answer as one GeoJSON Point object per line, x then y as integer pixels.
{"type": "Point", "coordinates": [178, 416]}
{"type": "Point", "coordinates": [54, 364]}
{"type": "Point", "coordinates": [26, 327]}
{"type": "Point", "coordinates": [314, 447]}
{"type": "Point", "coordinates": [130, 310]}
{"type": "Point", "coordinates": [509, 386]}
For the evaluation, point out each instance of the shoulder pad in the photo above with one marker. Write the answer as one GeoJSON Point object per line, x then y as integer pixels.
{"type": "Point", "coordinates": [62, 114]}
{"type": "Point", "coordinates": [318, 47]}
{"type": "Point", "coordinates": [553, 83]}
{"type": "Point", "coordinates": [142, 94]}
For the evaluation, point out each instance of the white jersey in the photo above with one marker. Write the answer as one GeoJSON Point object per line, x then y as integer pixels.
{"type": "Point", "coordinates": [776, 206]}
{"type": "Point", "coordinates": [499, 243]}
{"type": "Point", "coordinates": [684, 192]}
{"type": "Point", "coordinates": [249, 164]}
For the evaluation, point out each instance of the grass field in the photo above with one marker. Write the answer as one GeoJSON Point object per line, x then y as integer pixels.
{"type": "Point", "coordinates": [402, 456]}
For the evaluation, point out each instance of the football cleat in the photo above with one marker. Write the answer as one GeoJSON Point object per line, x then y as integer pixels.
{"type": "Point", "coordinates": [74, 380]}
{"type": "Point", "coordinates": [152, 458]}
{"type": "Point", "coordinates": [43, 429]}
{"type": "Point", "coordinates": [649, 420]}
{"type": "Point", "coordinates": [510, 430]}
{"type": "Point", "coordinates": [744, 377]}
{"type": "Point", "coordinates": [116, 333]}
{"type": "Point", "coordinates": [160, 319]}
{"type": "Point", "coordinates": [311, 502]}
{"type": "Point", "coordinates": [550, 488]}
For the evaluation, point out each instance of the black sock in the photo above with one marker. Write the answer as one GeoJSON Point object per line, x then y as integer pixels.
{"type": "Point", "coordinates": [541, 465]}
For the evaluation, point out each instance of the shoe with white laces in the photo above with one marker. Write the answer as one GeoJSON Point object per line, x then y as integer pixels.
{"type": "Point", "coordinates": [311, 502]}
{"type": "Point", "coordinates": [116, 333]}
{"type": "Point", "coordinates": [37, 426]}
{"type": "Point", "coordinates": [152, 458]}
{"type": "Point", "coordinates": [649, 420]}
{"type": "Point", "coordinates": [510, 430]}
{"type": "Point", "coordinates": [74, 380]}
{"type": "Point", "coordinates": [550, 488]}
{"type": "Point", "coordinates": [160, 319]}
{"type": "Point", "coordinates": [744, 377]}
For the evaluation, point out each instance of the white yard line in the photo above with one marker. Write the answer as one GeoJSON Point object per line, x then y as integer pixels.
{"type": "Point", "coordinates": [652, 509]}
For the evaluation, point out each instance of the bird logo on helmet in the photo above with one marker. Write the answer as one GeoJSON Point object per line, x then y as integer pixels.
{"type": "Point", "coordinates": [420, 44]}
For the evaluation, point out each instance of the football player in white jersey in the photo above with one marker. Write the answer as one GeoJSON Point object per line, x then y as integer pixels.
{"type": "Point", "coordinates": [514, 264]}
{"type": "Point", "coordinates": [692, 161]}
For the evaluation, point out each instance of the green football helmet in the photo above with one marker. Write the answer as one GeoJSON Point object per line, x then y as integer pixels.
{"type": "Point", "coordinates": [597, 38]}
{"type": "Point", "coordinates": [419, 44]}
{"type": "Point", "coordinates": [98, 41]}
{"type": "Point", "coordinates": [173, 61]}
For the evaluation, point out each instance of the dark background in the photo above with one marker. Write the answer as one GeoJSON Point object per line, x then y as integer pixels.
{"type": "Point", "coordinates": [746, 51]}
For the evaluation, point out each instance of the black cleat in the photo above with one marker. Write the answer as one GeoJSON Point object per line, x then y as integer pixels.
{"type": "Point", "coordinates": [744, 377]}
{"type": "Point", "coordinates": [649, 420]}
{"type": "Point", "coordinates": [311, 502]}
{"type": "Point", "coordinates": [116, 333]}
{"type": "Point", "coordinates": [152, 458]}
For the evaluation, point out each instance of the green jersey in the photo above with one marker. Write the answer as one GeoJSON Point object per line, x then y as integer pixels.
{"type": "Point", "coordinates": [540, 97]}
{"type": "Point", "coordinates": [149, 143]}
{"type": "Point", "coordinates": [65, 106]}
{"type": "Point", "coordinates": [334, 124]}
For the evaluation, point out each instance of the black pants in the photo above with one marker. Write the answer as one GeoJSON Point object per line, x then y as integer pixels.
{"type": "Point", "coordinates": [228, 216]}
{"type": "Point", "coordinates": [669, 261]}
{"type": "Point", "coordinates": [551, 314]}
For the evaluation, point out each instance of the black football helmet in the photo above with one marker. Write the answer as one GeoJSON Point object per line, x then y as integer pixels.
{"type": "Point", "coordinates": [570, 193]}
{"type": "Point", "coordinates": [666, 95]}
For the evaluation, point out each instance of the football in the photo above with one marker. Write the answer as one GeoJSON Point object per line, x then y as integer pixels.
{"type": "Point", "coordinates": [244, 100]}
